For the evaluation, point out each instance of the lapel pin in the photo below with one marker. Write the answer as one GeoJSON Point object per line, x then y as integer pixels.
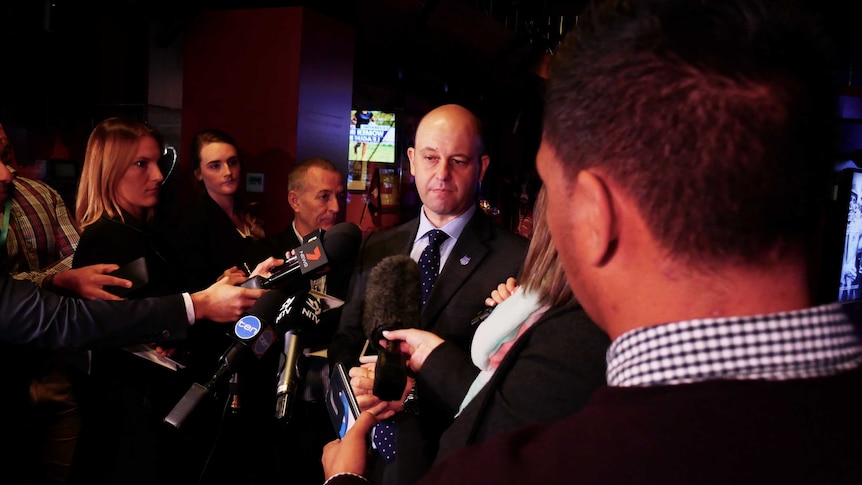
{"type": "Point", "coordinates": [465, 260]}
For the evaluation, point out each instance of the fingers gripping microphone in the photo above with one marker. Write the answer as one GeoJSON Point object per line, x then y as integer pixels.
{"type": "Point", "coordinates": [314, 258]}
{"type": "Point", "coordinates": [392, 300]}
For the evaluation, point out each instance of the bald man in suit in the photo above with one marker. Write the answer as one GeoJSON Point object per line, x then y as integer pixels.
{"type": "Point", "coordinates": [448, 162]}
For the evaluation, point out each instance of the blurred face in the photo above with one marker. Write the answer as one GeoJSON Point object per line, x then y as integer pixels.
{"type": "Point", "coordinates": [317, 201]}
{"type": "Point", "coordinates": [138, 188]}
{"type": "Point", "coordinates": [219, 169]}
{"type": "Point", "coordinates": [446, 164]}
{"type": "Point", "coordinates": [5, 182]}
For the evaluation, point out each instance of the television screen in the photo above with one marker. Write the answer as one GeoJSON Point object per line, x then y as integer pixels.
{"type": "Point", "coordinates": [372, 136]}
{"type": "Point", "coordinates": [851, 202]}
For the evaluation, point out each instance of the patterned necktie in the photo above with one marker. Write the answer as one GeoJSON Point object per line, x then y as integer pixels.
{"type": "Point", "coordinates": [429, 266]}
{"type": "Point", "coordinates": [429, 261]}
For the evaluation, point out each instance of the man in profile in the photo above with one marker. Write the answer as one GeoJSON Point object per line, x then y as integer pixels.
{"type": "Point", "coordinates": [688, 146]}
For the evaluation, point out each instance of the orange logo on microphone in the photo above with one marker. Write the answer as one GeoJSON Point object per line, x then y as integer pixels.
{"type": "Point", "coordinates": [315, 255]}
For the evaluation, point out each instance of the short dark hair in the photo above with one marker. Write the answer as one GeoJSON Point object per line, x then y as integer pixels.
{"type": "Point", "coordinates": [717, 116]}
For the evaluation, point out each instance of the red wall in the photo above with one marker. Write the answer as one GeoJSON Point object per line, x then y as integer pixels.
{"type": "Point", "coordinates": [241, 72]}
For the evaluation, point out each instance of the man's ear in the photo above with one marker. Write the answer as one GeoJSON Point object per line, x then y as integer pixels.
{"type": "Point", "coordinates": [411, 152]}
{"type": "Point", "coordinates": [293, 200]}
{"type": "Point", "coordinates": [198, 175]}
{"type": "Point", "coordinates": [596, 219]}
{"type": "Point", "coordinates": [484, 161]}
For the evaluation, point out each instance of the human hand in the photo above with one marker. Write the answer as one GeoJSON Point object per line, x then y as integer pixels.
{"type": "Point", "coordinates": [265, 267]}
{"type": "Point", "coordinates": [503, 291]}
{"type": "Point", "coordinates": [362, 383]}
{"type": "Point", "coordinates": [349, 455]}
{"type": "Point", "coordinates": [88, 281]}
{"type": "Point", "coordinates": [224, 302]}
{"type": "Point", "coordinates": [234, 275]}
{"type": "Point", "coordinates": [415, 344]}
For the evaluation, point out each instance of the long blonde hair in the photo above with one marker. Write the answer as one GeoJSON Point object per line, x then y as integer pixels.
{"type": "Point", "coordinates": [111, 149]}
{"type": "Point", "coordinates": [543, 272]}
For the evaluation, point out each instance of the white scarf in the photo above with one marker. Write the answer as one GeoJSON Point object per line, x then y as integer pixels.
{"type": "Point", "coordinates": [501, 326]}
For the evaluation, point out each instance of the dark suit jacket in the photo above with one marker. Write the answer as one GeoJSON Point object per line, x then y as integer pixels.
{"type": "Point", "coordinates": [31, 316]}
{"type": "Point", "coordinates": [207, 243]}
{"type": "Point", "coordinates": [549, 373]}
{"type": "Point", "coordinates": [483, 257]}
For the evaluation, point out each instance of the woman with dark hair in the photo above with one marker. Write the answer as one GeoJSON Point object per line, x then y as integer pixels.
{"type": "Point", "coordinates": [218, 230]}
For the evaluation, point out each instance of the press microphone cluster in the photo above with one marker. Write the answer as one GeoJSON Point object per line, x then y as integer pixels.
{"type": "Point", "coordinates": [320, 251]}
{"type": "Point", "coordinates": [393, 299]}
{"type": "Point", "coordinates": [277, 313]}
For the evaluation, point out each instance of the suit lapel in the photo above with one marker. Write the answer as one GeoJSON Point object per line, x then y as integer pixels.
{"type": "Point", "coordinates": [466, 256]}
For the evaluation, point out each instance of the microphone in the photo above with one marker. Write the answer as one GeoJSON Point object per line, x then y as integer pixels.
{"type": "Point", "coordinates": [255, 333]}
{"type": "Point", "coordinates": [392, 300]}
{"type": "Point", "coordinates": [306, 308]}
{"type": "Point", "coordinates": [289, 375]}
{"type": "Point", "coordinates": [314, 258]}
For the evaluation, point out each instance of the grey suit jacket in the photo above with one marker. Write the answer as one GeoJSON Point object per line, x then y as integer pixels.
{"type": "Point", "coordinates": [32, 316]}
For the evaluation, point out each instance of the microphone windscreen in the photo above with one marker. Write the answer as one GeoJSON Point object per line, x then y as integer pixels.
{"type": "Point", "coordinates": [341, 243]}
{"type": "Point", "coordinates": [393, 296]}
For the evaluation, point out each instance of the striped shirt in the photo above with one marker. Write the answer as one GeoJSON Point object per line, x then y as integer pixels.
{"type": "Point", "coordinates": [814, 342]}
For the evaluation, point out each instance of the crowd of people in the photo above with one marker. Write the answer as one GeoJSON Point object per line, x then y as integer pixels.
{"type": "Point", "coordinates": [659, 325]}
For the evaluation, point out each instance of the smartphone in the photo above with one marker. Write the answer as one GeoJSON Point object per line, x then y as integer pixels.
{"type": "Point", "coordinates": [341, 402]}
{"type": "Point", "coordinates": [134, 271]}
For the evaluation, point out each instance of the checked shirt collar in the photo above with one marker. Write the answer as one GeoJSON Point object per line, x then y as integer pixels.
{"type": "Point", "coordinates": [813, 342]}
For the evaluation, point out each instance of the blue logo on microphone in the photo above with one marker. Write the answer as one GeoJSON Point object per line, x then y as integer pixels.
{"type": "Point", "coordinates": [247, 327]}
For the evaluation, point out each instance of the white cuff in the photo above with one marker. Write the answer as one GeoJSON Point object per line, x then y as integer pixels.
{"type": "Point", "coordinates": [190, 308]}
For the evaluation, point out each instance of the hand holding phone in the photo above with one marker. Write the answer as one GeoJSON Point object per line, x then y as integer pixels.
{"type": "Point", "coordinates": [341, 402]}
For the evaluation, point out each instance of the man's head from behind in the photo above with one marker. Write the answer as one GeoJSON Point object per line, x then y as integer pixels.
{"type": "Point", "coordinates": [714, 119]}
{"type": "Point", "coordinates": [315, 194]}
{"type": "Point", "coordinates": [448, 161]}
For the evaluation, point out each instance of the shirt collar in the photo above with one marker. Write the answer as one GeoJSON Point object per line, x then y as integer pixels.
{"type": "Point", "coordinates": [453, 228]}
{"type": "Point", "coordinates": [813, 342]}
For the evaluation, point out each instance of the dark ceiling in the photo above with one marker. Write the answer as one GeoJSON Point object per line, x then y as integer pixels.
{"type": "Point", "coordinates": [409, 53]}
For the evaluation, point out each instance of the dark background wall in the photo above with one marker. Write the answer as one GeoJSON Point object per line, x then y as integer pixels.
{"type": "Point", "coordinates": [277, 82]}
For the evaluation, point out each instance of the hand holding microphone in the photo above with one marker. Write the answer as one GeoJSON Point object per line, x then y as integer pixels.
{"type": "Point", "coordinates": [415, 344]}
{"type": "Point", "coordinates": [392, 301]}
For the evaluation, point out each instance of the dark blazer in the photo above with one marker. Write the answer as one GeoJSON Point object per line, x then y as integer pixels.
{"type": "Point", "coordinates": [549, 373]}
{"type": "Point", "coordinates": [207, 243]}
{"type": "Point", "coordinates": [31, 316]}
{"type": "Point", "coordinates": [491, 254]}
{"type": "Point", "coordinates": [125, 398]}
{"type": "Point", "coordinates": [483, 257]}
{"type": "Point", "coordinates": [110, 240]}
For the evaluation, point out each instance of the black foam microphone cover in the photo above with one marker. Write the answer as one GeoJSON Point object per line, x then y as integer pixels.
{"type": "Point", "coordinates": [392, 300]}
